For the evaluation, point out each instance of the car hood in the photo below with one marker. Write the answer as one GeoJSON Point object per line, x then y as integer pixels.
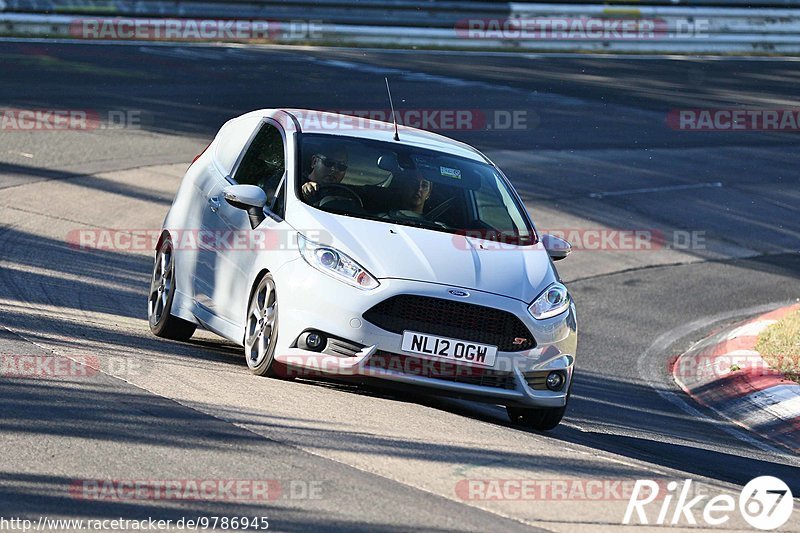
{"type": "Point", "coordinates": [389, 250]}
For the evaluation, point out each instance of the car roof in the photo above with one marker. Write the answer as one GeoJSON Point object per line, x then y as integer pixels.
{"type": "Point", "coordinates": [327, 123]}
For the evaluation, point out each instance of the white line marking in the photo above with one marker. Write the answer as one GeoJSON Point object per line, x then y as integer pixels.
{"type": "Point", "coordinates": [23, 154]}
{"type": "Point", "coordinates": [734, 353]}
{"type": "Point", "coordinates": [714, 184]}
{"type": "Point", "coordinates": [751, 329]}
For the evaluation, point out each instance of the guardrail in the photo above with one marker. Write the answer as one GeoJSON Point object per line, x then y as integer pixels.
{"type": "Point", "coordinates": [334, 8]}
{"type": "Point", "coordinates": [500, 26]}
{"type": "Point", "coordinates": [413, 13]}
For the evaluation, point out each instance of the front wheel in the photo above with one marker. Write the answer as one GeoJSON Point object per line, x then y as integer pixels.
{"type": "Point", "coordinates": [538, 419]}
{"type": "Point", "coordinates": [261, 329]}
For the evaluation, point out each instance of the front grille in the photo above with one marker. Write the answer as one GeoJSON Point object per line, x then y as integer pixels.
{"type": "Point", "coordinates": [447, 318]}
{"type": "Point", "coordinates": [444, 370]}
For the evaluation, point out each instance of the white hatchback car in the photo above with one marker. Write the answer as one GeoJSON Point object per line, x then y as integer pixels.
{"type": "Point", "coordinates": [332, 245]}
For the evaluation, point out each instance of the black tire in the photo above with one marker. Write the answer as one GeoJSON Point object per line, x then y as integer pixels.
{"type": "Point", "coordinates": [538, 419]}
{"type": "Point", "coordinates": [261, 330]}
{"type": "Point", "coordinates": [162, 292]}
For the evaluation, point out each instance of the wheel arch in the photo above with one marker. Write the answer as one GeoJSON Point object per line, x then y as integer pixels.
{"type": "Point", "coordinates": [165, 234]}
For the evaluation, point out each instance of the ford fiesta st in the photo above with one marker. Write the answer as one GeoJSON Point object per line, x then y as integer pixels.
{"type": "Point", "coordinates": [351, 248]}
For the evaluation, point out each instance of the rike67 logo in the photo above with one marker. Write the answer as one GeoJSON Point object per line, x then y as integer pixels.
{"type": "Point", "coordinates": [765, 503]}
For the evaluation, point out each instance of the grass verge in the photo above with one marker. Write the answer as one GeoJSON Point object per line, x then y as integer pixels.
{"type": "Point", "coordinates": [779, 346]}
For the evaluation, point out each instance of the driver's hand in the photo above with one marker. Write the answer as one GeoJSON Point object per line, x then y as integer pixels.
{"type": "Point", "coordinates": [310, 190]}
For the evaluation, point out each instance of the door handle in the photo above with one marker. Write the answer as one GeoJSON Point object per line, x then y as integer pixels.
{"type": "Point", "coordinates": [214, 203]}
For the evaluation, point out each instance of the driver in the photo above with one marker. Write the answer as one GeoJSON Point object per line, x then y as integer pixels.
{"type": "Point", "coordinates": [326, 167]}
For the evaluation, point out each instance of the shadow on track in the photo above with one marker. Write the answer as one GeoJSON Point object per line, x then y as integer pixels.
{"type": "Point", "coordinates": [19, 174]}
{"type": "Point", "coordinates": [116, 284]}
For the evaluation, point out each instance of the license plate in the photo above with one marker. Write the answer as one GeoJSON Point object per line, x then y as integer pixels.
{"type": "Point", "coordinates": [446, 348]}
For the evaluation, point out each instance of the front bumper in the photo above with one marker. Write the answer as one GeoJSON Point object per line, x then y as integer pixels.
{"type": "Point", "coordinates": [317, 301]}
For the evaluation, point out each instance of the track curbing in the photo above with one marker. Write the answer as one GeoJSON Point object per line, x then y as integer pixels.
{"type": "Point", "coordinates": [725, 373]}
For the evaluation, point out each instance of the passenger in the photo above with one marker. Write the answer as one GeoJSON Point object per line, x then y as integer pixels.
{"type": "Point", "coordinates": [415, 192]}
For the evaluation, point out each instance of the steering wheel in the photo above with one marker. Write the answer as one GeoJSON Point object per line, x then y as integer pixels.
{"type": "Point", "coordinates": [440, 209]}
{"type": "Point", "coordinates": [353, 194]}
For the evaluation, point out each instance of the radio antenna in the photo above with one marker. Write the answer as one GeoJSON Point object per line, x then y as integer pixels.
{"type": "Point", "coordinates": [394, 116]}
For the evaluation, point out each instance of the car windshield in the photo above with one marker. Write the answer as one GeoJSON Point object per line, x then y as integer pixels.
{"type": "Point", "coordinates": [410, 186]}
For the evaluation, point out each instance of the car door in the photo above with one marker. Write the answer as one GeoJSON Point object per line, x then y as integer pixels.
{"type": "Point", "coordinates": [228, 148]}
{"type": "Point", "coordinates": [237, 242]}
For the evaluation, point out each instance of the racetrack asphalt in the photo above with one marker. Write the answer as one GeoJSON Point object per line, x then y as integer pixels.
{"type": "Point", "coordinates": [388, 460]}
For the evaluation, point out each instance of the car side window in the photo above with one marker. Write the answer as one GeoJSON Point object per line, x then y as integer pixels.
{"type": "Point", "coordinates": [263, 164]}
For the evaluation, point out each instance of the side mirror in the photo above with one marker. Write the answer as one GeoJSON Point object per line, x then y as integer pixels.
{"type": "Point", "coordinates": [248, 198]}
{"type": "Point", "coordinates": [557, 248]}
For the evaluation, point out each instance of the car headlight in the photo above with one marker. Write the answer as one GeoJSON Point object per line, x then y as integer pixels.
{"type": "Point", "coordinates": [335, 263]}
{"type": "Point", "coordinates": [553, 301]}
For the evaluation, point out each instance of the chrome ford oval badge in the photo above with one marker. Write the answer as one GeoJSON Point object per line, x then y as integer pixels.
{"type": "Point", "coordinates": [458, 292]}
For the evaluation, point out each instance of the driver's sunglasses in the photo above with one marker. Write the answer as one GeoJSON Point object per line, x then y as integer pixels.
{"type": "Point", "coordinates": [328, 162]}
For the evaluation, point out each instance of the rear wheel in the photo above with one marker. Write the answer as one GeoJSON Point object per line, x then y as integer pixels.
{"type": "Point", "coordinates": [261, 329]}
{"type": "Point", "coordinates": [162, 293]}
